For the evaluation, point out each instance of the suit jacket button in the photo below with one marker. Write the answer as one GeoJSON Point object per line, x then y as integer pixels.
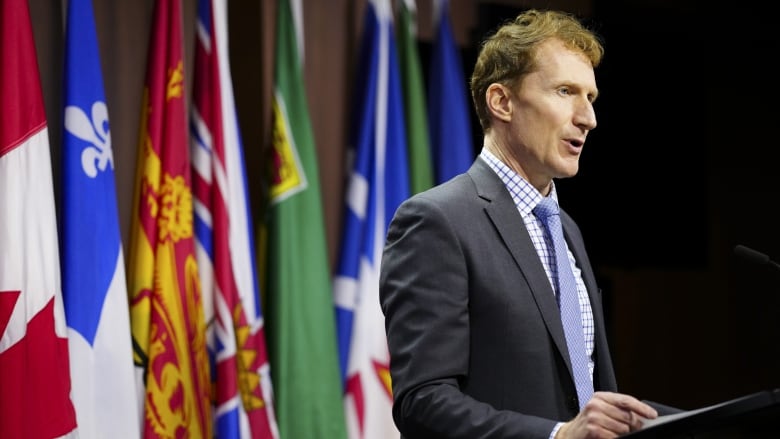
{"type": "Point", "coordinates": [574, 403]}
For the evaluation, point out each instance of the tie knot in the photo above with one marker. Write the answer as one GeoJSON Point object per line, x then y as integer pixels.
{"type": "Point", "coordinates": [546, 208]}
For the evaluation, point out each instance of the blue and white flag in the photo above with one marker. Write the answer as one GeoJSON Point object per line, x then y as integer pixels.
{"type": "Point", "coordinates": [449, 102]}
{"type": "Point", "coordinates": [93, 270]}
{"type": "Point", "coordinates": [379, 182]}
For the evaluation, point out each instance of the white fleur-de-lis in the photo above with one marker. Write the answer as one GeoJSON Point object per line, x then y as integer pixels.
{"type": "Point", "coordinates": [98, 154]}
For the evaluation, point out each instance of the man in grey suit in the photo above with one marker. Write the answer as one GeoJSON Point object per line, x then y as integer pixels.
{"type": "Point", "coordinates": [467, 286]}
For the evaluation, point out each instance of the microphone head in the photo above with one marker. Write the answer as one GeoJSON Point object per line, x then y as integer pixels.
{"type": "Point", "coordinates": [751, 255]}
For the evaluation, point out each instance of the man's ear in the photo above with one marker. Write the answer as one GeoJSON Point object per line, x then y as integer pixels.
{"type": "Point", "coordinates": [499, 103]}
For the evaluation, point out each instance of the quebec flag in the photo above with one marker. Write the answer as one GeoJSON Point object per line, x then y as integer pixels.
{"type": "Point", "coordinates": [93, 268]}
{"type": "Point", "coordinates": [379, 182]}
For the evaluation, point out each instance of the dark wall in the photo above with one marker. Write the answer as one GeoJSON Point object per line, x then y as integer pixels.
{"type": "Point", "coordinates": [687, 135]}
{"type": "Point", "coordinates": [743, 118]}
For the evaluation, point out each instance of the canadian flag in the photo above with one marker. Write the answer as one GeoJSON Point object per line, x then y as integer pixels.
{"type": "Point", "coordinates": [34, 372]}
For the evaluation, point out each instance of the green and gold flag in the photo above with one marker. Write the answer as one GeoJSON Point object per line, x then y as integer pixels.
{"type": "Point", "coordinates": [415, 108]}
{"type": "Point", "coordinates": [301, 323]}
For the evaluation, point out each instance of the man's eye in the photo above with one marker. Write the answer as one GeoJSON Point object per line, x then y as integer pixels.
{"type": "Point", "coordinates": [564, 91]}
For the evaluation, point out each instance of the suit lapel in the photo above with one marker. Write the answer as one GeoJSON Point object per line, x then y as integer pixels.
{"type": "Point", "coordinates": [577, 247]}
{"type": "Point", "coordinates": [502, 211]}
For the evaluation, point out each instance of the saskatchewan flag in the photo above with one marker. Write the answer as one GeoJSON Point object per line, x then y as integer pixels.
{"type": "Point", "coordinates": [300, 318]}
{"type": "Point", "coordinates": [417, 134]}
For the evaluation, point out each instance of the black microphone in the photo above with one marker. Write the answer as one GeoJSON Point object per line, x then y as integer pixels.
{"type": "Point", "coordinates": [755, 256]}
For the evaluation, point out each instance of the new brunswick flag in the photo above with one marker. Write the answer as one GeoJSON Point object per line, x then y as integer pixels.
{"type": "Point", "coordinates": [166, 310]}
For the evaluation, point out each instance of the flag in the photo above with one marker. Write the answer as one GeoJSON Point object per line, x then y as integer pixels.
{"type": "Point", "coordinates": [379, 182]}
{"type": "Point", "coordinates": [301, 324]}
{"type": "Point", "coordinates": [417, 135]}
{"type": "Point", "coordinates": [34, 381]}
{"type": "Point", "coordinates": [166, 309]}
{"type": "Point", "coordinates": [448, 102]}
{"type": "Point", "coordinates": [243, 405]}
{"type": "Point", "coordinates": [94, 287]}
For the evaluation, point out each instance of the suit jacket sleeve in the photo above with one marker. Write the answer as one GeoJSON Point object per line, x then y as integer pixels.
{"type": "Point", "coordinates": [424, 294]}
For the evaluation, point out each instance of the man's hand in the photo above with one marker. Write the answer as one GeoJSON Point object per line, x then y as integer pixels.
{"type": "Point", "coordinates": [607, 415]}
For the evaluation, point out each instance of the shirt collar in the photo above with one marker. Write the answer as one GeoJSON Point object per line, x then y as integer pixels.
{"type": "Point", "coordinates": [525, 196]}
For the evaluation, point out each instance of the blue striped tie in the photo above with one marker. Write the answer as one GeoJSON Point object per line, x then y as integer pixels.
{"type": "Point", "coordinates": [547, 212]}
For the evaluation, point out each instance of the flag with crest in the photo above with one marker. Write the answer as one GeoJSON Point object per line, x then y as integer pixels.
{"type": "Point", "coordinates": [166, 307]}
{"type": "Point", "coordinates": [301, 325]}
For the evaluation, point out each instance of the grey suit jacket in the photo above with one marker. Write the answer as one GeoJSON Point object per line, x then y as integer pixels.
{"type": "Point", "coordinates": [476, 341]}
